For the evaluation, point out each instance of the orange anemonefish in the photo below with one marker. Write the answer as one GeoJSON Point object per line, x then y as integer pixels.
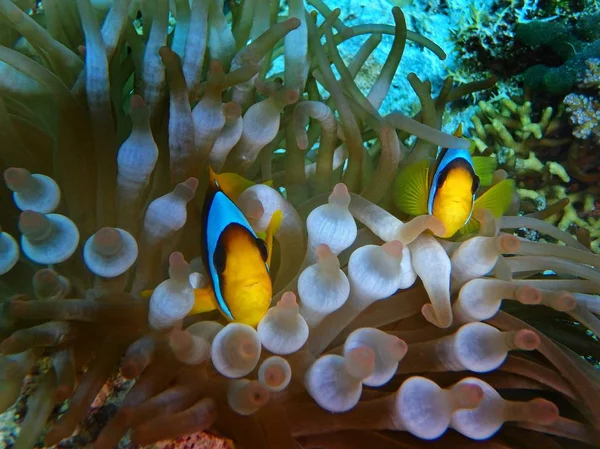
{"type": "Point", "coordinates": [236, 259]}
{"type": "Point", "coordinates": [447, 189]}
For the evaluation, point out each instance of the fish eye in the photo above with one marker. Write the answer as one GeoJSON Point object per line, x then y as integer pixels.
{"type": "Point", "coordinates": [262, 247]}
{"type": "Point", "coordinates": [475, 185]}
{"type": "Point", "coordinates": [219, 259]}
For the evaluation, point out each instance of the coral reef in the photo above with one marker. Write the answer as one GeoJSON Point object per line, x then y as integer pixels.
{"type": "Point", "coordinates": [584, 110]}
{"type": "Point", "coordinates": [546, 42]}
{"type": "Point", "coordinates": [549, 165]}
{"type": "Point", "coordinates": [376, 324]}
{"type": "Point", "coordinates": [571, 45]}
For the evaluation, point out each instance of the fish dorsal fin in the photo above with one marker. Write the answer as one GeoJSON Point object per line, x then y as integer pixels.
{"type": "Point", "coordinates": [212, 178]}
{"type": "Point", "coordinates": [484, 167]}
{"type": "Point", "coordinates": [459, 130]}
{"type": "Point", "coordinates": [234, 185]}
{"type": "Point", "coordinates": [411, 188]}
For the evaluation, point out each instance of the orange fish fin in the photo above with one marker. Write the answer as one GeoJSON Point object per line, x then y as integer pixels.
{"type": "Point", "coordinates": [146, 294]}
{"type": "Point", "coordinates": [212, 176]}
{"type": "Point", "coordinates": [204, 300]}
{"type": "Point", "coordinates": [497, 198]}
{"type": "Point", "coordinates": [459, 130]}
{"type": "Point", "coordinates": [272, 229]}
{"type": "Point", "coordinates": [484, 168]}
{"type": "Point", "coordinates": [233, 185]}
{"type": "Point", "coordinates": [411, 188]}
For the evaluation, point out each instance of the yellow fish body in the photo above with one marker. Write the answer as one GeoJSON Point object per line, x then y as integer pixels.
{"type": "Point", "coordinates": [447, 189]}
{"type": "Point", "coordinates": [236, 259]}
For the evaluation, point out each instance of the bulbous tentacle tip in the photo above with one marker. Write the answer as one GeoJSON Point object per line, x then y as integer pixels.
{"type": "Point", "coordinates": [107, 241]}
{"type": "Point", "coordinates": [275, 373]}
{"type": "Point", "coordinates": [248, 349]}
{"type": "Point", "coordinates": [187, 189]}
{"type": "Point", "coordinates": [253, 209]}
{"type": "Point", "coordinates": [167, 54]}
{"type": "Point", "coordinates": [273, 376]}
{"type": "Point", "coordinates": [542, 411]}
{"type": "Point", "coordinates": [340, 195]}
{"type": "Point", "coordinates": [393, 248]}
{"type": "Point", "coordinates": [137, 102]}
{"type": "Point", "coordinates": [466, 395]}
{"type": "Point", "coordinates": [323, 251]}
{"type": "Point", "coordinates": [397, 348]}
{"type": "Point", "coordinates": [430, 314]}
{"type": "Point", "coordinates": [508, 243]}
{"type": "Point", "coordinates": [31, 222]}
{"type": "Point", "coordinates": [288, 299]}
{"type": "Point", "coordinates": [528, 295]}
{"type": "Point", "coordinates": [360, 362]}
{"type": "Point", "coordinates": [232, 110]}
{"type": "Point", "coordinates": [45, 276]}
{"type": "Point", "coordinates": [178, 267]}
{"type": "Point", "coordinates": [290, 96]}
{"type": "Point", "coordinates": [293, 23]}
{"type": "Point", "coordinates": [258, 394]}
{"type": "Point", "coordinates": [526, 340]}
{"type": "Point", "coordinates": [16, 178]}
{"type": "Point", "coordinates": [564, 302]}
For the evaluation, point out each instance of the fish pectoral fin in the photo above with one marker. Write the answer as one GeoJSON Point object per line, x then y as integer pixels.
{"type": "Point", "coordinates": [497, 198]}
{"type": "Point", "coordinates": [204, 300]}
{"type": "Point", "coordinates": [470, 227]}
{"type": "Point", "coordinates": [272, 229]}
{"type": "Point", "coordinates": [484, 168]}
{"type": "Point", "coordinates": [411, 188]}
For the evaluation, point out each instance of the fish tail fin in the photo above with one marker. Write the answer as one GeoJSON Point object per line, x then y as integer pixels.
{"type": "Point", "coordinates": [497, 199]}
{"type": "Point", "coordinates": [204, 300]}
{"type": "Point", "coordinates": [485, 166]}
{"type": "Point", "coordinates": [411, 187]}
{"type": "Point", "coordinates": [272, 229]}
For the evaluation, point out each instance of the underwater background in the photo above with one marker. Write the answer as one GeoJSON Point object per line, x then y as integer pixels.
{"type": "Point", "coordinates": [417, 183]}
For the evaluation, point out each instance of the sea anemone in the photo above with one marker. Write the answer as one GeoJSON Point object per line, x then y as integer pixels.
{"type": "Point", "coordinates": [109, 121]}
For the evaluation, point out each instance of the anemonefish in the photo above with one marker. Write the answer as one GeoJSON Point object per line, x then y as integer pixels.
{"type": "Point", "coordinates": [447, 188]}
{"type": "Point", "coordinates": [236, 259]}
